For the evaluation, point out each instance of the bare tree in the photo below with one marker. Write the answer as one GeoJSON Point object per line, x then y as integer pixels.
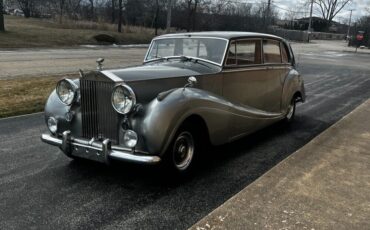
{"type": "Point", "coordinates": [2, 27]}
{"type": "Point", "coordinates": [92, 10]}
{"type": "Point", "coordinates": [120, 16]}
{"type": "Point", "coordinates": [73, 7]}
{"type": "Point", "coordinates": [59, 5]}
{"type": "Point", "coordinates": [169, 16]}
{"type": "Point", "coordinates": [330, 8]}
{"type": "Point", "coordinates": [25, 6]}
{"type": "Point", "coordinates": [191, 7]}
{"type": "Point", "coordinates": [113, 5]}
{"type": "Point", "coordinates": [156, 16]}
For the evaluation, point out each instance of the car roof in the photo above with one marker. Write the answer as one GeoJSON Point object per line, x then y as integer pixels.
{"type": "Point", "coordinates": [222, 34]}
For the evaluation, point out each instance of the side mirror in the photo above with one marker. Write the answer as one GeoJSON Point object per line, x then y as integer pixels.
{"type": "Point", "coordinates": [192, 81]}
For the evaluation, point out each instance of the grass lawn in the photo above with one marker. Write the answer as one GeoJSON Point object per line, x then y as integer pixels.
{"type": "Point", "coordinates": [30, 32]}
{"type": "Point", "coordinates": [26, 95]}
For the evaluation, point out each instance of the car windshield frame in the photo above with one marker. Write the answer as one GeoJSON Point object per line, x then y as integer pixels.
{"type": "Point", "coordinates": [146, 60]}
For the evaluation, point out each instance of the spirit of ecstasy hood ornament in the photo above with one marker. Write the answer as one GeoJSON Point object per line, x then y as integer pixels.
{"type": "Point", "coordinates": [100, 64]}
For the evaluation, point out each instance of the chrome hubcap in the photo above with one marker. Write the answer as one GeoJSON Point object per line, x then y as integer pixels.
{"type": "Point", "coordinates": [183, 150]}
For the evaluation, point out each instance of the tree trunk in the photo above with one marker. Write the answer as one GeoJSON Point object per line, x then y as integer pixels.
{"type": "Point", "coordinates": [27, 9]}
{"type": "Point", "coordinates": [189, 15]}
{"type": "Point", "coordinates": [169, 15]}
{"type": "Point", "coordinates": [156, 17]}
{"type": "Point", "coordinates": [61, 2]}
{"type": "Point", "coordinates": [113, 11]}
{"type": "Point", "coordinates": [120, 16]}
{"type": "Point", "coordinates": [2, 28]}
{"type": "Point", "coordinates": [92, 13]}
{"type": "Point", "coordinates": [195, 13]}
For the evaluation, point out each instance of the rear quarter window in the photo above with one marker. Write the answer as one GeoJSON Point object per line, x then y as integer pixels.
{"type": "Point", "coordinates": [285, 55]}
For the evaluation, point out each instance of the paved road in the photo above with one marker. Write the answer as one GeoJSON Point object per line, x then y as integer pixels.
{"type": "Point", "coordinates": [40, 188]}
{"type": "Point", "coordinates": [39, 62]}
{"type": "Point", "coordinates": [36, 62]}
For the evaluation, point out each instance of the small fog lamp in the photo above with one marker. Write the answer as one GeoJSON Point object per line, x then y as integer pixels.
{"type": "Point", "coordinates": [130, 138]}
{"type": "Point", "coordinates": [52, 125]}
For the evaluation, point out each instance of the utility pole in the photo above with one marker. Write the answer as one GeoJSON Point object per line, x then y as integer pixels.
{"type": "Point", "coordinates": [310, 23]}
{"type": "Point", "coordinates": [2, 27]}
{"type": "Point", "coordinates": [169, 15]}
{"type": "Point", "coordinates": [349, 25]}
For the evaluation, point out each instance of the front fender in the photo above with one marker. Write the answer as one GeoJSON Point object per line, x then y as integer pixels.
{"type": "Point", "coordinates": [224, 120]}
{"type": "Point", "coordinates": [55, 108]}
{"type": "Point", "coordinates": [162, 118]}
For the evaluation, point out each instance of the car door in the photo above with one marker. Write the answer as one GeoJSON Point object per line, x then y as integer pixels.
{"type": "Point", "coordinates": [247, 80]}
{"type": "Point", "coordinates": [276, 71]}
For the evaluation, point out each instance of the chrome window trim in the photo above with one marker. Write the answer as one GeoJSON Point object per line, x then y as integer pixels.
{"type": "Point", "coordinates": [174, 37]}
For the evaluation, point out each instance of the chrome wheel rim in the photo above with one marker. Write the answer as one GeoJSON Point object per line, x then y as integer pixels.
{"type": "Point", "coordinates": [290, 111]}
{"type": "Point", "coordinates": [183, 151]}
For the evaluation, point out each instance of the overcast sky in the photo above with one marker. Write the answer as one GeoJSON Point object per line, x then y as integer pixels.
{"type": "Point", "coordinates": [359, 7]}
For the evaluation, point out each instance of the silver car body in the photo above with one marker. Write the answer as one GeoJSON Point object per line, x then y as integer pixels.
{"type": "Point", "coordinates": [231, 102]}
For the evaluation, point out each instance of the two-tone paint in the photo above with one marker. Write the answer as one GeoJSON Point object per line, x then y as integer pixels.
{"type": "Point", "coordinates": [230, 101]}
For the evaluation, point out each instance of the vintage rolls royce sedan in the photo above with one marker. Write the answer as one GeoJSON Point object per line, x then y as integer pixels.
{"type": "Point", "coordinates": [192, 89]}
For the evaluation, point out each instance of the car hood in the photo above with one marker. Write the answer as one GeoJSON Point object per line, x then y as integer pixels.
{"type": "Point", "coordinates": [168, 69]}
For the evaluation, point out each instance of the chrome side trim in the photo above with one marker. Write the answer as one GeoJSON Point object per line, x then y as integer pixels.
{"type": "Point", "coordinates": [104, 150]}
{"type": "Point", "coordinates": [252, 68]}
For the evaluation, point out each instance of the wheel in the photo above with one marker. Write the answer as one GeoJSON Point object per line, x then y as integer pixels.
{"type": "Point", "coordinates": [183, 151]}
{"type": "Point", "coordinates": [182, 154]}
{"type": "Point", "coordinates": [289, 117]}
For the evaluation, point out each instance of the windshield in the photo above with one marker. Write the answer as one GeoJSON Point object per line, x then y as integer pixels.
{"type": "Point", "coordinates": [210, 49]}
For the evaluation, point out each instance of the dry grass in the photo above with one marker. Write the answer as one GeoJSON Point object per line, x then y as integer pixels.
{"type": "Point", "coordinates": [25, 95]}
{"type": "Point", "coordinates": [30, 32]}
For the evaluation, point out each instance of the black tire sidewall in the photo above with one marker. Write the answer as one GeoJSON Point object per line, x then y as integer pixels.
{"type": "Point", "coordinates": [169, 157]}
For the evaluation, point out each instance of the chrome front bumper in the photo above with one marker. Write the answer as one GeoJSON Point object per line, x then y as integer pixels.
{"type": "Point", "coordinates": [96, 150]}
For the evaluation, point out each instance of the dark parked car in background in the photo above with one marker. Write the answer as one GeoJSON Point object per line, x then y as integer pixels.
{"type": "Point", "coordinates": [192, 89]}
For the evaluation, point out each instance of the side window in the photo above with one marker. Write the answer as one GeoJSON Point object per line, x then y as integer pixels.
{"type": "Point", "coordinates": [231, 54]}
{"type": "Point", "coordinates": [285, 53]}
{"type": "Point", "coordinates": [271, 51]}
{"type": "Point", "coordinates": [248, 52]}
{"type": "Point", "coordinates": [244, 52]}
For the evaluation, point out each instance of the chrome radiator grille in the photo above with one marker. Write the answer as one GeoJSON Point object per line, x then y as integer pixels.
{"type": "Point", "coordinates": [99, 119]}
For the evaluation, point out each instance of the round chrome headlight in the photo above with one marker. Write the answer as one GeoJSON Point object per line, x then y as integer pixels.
{"type": "Point", "coordinates": [66, 90]}
{"type": "Point", "coordinates": [123, 99]}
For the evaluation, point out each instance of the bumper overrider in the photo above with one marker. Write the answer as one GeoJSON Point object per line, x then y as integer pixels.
{"type": "Point", "coordinates": [96, 150]}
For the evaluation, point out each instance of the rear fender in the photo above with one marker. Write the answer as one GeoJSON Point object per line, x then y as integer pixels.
{"type": "Point", "coordinates": [293, 84]}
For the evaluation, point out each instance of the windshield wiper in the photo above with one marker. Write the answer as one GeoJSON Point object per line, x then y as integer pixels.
{"type": "Point", "coordinates": [183, 58]}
